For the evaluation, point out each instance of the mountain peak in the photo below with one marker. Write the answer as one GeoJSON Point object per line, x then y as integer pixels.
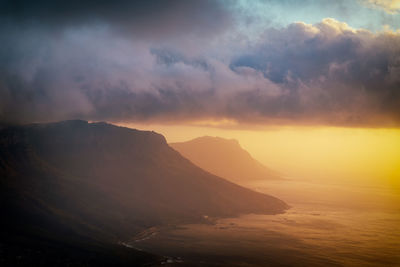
{"type": "Point", "coordinates": [225, 158]}
{"type": "Point", "coordinates": [80, 128]}
{"type": "Point", "coordinates": [75, 181]}
{"type": "Point", "coordinates": [136, 167]}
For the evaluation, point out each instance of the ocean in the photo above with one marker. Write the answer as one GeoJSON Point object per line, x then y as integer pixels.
{"type": "Point", "coordinates": [329, 224]}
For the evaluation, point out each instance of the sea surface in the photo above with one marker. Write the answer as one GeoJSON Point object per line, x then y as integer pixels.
{"type": "Point", "coordinates": [328, 225]}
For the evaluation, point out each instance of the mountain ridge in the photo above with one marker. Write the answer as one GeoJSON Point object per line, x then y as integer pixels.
{"type": "Point", "coordinates": [225, 158]}
{"type": "Point", "coordinates": [96, 183]}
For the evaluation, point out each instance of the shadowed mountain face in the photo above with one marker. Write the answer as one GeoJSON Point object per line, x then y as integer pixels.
{"type": "Point", "coordinates": [225, 158]}
{"type": "Point", "coordinates": [98, 183]}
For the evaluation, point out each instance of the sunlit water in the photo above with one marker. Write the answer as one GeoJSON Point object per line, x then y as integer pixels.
{"type": "Point", "coordinates": [328, 225]}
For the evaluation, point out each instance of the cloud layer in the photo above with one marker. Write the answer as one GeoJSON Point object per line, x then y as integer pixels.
{"type": "Point", "coordinates": [188, 61]}
{"type": "Point", "coordinates": [150, 19]}
{"type": "Point", "coordinates": [390, 6]}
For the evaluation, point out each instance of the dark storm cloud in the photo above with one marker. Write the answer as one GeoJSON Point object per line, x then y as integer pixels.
{"type": "Point", "coordinates": [150, 18]}
{"type": "Point", "coordinates": [188, 60]}
{"type": "Point", "coordinates": [330, 71]}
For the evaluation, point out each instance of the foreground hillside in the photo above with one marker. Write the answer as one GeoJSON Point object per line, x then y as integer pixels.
{"type": "Point", "coordinates": [224, 158]}
{"type": "Point", "coordinates": [80, 184]}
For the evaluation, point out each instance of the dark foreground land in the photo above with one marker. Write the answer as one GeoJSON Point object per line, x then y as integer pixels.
{"type": "Point", "coordinates": [71, 192]}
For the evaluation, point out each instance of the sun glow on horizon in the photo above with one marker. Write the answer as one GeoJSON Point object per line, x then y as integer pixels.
{"type": "Point", "coordinates": [351, 155]}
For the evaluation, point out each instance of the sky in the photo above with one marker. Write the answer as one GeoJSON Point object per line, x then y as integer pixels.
{"type": "Point", "coordinates": [249, 62]}
{"type": "Point", "coordinates": [223, 66]}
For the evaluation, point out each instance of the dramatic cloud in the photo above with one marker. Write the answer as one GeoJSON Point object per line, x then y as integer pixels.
{"type": "Point", "coordinates": [189, 61]}
{"type": "Point", "coordinates": [331, 71]}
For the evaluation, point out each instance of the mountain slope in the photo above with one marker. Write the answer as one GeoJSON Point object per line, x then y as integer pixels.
{"type": "Point", "coordinates": [94, 183]}
{"type": "Point", "coordinates": [224, 158]}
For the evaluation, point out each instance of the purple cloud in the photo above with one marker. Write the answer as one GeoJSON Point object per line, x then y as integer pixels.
{"type": "Point", "coordinates": [327, 73]}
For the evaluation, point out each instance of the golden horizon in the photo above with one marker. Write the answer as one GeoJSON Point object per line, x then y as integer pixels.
{"type": "Point", "coordinates": [352, 155]}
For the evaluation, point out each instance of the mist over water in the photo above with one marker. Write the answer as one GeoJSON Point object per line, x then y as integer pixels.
{"type": "Point", "coordinates": [328, 225]}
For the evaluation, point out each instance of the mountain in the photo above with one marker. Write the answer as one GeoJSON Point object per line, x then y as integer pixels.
{"type": "Point", "coordinates": [224, 158]}
{"type": "Point", "coordinates": [89, 186]}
